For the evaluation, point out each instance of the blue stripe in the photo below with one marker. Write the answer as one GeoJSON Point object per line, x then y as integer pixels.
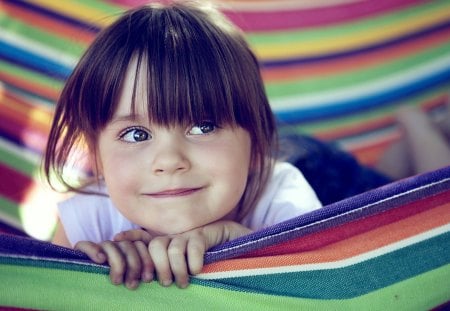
{"type": "Point", "coordinates": [347, 282]}
{"type": "Point", "coordinates": [339, 108]}
{"type": "Point", "coordinates": [35, 62]}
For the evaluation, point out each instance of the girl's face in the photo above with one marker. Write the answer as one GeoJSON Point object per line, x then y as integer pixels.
{"type": "Point", "coordinates": [171, 179]}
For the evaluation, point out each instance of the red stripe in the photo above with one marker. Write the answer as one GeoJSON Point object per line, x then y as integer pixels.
{"type": "Point", "coordinates": [347, 230]}
{"type": "Point", "coordinates": [355, 62]}
{"type": "Point", "coordinates": [375, 124]}
{"type": "Point", "coordinates": [61, 29]}
{"type": "Point", "coordinates": [31, 86]}
{"type": "Point", "coordinates": [315, 17]}
{"type": "Point", "coordinates": [30, 138]}
{"type": "Point", "coordinates": [13, 184]}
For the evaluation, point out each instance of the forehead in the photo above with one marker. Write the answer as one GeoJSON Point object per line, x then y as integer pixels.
{"type": "Point", "coordinates": [169, 94]}
{"type": "Point", "coordinates": [133, 95]}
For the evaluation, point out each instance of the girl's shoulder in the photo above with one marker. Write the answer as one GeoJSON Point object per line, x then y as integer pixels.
{"type": "Point", "coordinates": [91, 216]}
{"type": "Point", "coordinates": [288, 194]}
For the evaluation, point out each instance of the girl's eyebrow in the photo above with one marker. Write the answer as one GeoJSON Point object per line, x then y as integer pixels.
{"type": "Point", "coordinates": [126, 118]}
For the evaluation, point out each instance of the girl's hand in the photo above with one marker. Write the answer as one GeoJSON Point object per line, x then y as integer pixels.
{"type": "Point", "coordinates": [127, 256]}
{"type": "Point", "coordinates": [175, 256]}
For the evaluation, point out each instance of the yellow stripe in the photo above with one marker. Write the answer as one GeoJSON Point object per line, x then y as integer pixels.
{"type": "Point", "coordinates": [37, 116]}
{"type": "Point", "coordinates": [80, 11]}
{"type": "Point", "coordinates": [355, 39]}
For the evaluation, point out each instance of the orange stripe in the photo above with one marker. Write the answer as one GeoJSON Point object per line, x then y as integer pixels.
{"type": "Point", "coordinates": [22, 121]}
{"type": "Point", "coordinates": [371, 155]}
{"type": "Point", "coordinates": [366, 125]}
{"type": "Point", "coordinates": [34, 87]}
{"type": "Point", "coordinates": [347, 248]}
{"type": "Point", "coordinates": [330, 67]}
{"type": "Point", "coordinates": [50, 25]}
{"type": "Point", "coordinates": [18, 111]}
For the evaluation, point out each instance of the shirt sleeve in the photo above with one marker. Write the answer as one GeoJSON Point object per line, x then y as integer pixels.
{"type": "Point", "coordinates": [288, 194]}
{"type": "Point", "coordinates": [91, 218]}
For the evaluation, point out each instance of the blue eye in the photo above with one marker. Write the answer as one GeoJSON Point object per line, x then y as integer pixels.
{"type": "Point", "coordinates": [203, 128]}
{"type": "Point", "coordinates": [134, 135]}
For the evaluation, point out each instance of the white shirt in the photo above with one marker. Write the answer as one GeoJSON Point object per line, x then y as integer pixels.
{"type": "Point", "coordinates": [94, 218]}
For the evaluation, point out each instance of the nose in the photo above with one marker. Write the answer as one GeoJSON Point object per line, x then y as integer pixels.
{"type": "Point", "coordinates": [169, 156]}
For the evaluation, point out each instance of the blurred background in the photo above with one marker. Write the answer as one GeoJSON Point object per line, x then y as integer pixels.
{"type": "Point", "coordinates": [334, 69]}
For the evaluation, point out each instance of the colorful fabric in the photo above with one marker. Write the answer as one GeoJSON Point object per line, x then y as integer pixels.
{"type": "Point", "coordinates": [386, 249]}
{"type": "Point", "coordinates": [335, 70]}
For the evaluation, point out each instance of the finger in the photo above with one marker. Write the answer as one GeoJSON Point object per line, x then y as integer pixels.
{"type": "Point", "coordinates": [146, 261]}
{"type": "Point", "coordinates": [177, 258]}
{"type": "Point", "coordinates": [196, 249]}
{"type": "Point", "coordinates": [134, 235]}
{"type": "Point", "coordinates": [158, 252]}
{"type": "Point", "coordinates": [133, 264]}
{"type": "Point", "coordinates": [116, 261]}
{"type": "Point", "coordinates": [92, 250]}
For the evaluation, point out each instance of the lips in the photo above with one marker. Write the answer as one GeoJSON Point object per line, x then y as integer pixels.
{"type": "Point", "coordinates": [174, 193]}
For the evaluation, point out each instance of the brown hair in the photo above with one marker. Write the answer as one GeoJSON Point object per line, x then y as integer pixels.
{"type": "Point", "coordinates": [198, 65]}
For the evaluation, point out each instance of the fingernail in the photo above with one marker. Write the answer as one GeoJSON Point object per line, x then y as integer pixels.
{"type": "Point", "coordinates": [166, 283]}
{"type": "Point", "coordinates": [147, 276]}
{"type": "Point", "coordinates": [184, 285]}
{"type": "Point", "coordinates": [132, 284]}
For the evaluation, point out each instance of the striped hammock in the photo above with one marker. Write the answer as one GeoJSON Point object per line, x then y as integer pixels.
{"type": "Point", "coordinates": [385, 249]}
{"type": "Point", "coordinates": [333, 69]}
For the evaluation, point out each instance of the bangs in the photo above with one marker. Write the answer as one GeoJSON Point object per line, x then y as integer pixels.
{"type": "Point", "coordinates": [191, 73]}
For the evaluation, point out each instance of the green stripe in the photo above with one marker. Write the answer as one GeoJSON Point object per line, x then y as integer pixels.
{"type": "Point", "coordinates": [70, 290]}
{"type": "Point", "coordinates": [338, 122]}
{"type": "Point", "coordinates": [103, 6]}
{"type": "Point", "coordinates": [346, 79]}
{"type": "Point", "coordinates": [361, 27]}
{"type": "Point", "coordinates": [30, 76]}
{"type": "Point", "coordinates": [340, 283]}
{"type": "Point", "coordinates": [47, 39]}
{"type": "Point", "coordinates": [17, 162]}
{"type": "Point", "coordinates": [9, 210]}
{"type": "Point", "coordinates": [353, 280]}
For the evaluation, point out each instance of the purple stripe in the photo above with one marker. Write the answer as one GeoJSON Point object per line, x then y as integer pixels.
{"type": "Point", "coordinates": [362, 205]}
{"type": "Point", "coordinates": [53, 15]}
{"type": "Point", "coordinates": [364, 49]}
{"type": "Point", "coordinates": [274, 20]}
{"type": "Point", "coordinates": [332, 215]}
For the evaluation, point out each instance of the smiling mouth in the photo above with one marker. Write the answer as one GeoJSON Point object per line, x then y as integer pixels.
{"type": "Point", "coordinates": [174, 193]}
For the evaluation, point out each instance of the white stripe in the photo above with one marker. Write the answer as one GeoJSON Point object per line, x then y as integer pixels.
{"type": "Point", "coordinates": [38, 49]}
{"type": "Point", "coordinates": [356, 91]}
{"type": "Point", "coordinates": [357, 210]}
{"type": "Point", "coordinates": [59, 260]}
{"type": "Point", "coordinates": [20, 152]}
{"type": "Point", "coordinates": [11, 221]}
{"type": "Point", "coordinates": [285, 5]}
{"type": "Point", "coordinates": [330, 265]}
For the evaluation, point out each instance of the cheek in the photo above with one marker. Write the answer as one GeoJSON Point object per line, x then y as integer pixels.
{"type": "Point", "coordinates": [119, 177]}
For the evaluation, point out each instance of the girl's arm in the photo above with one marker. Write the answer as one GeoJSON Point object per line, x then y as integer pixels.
{"type": "Point", "coordinates": [60, 237]}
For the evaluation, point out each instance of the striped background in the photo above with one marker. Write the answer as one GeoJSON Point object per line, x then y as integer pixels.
{"type": "Point", "coordinates": [335, 69]}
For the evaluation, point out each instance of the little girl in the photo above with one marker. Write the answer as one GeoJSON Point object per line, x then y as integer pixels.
{"type": "Point", "coordinates": [171, 106]}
